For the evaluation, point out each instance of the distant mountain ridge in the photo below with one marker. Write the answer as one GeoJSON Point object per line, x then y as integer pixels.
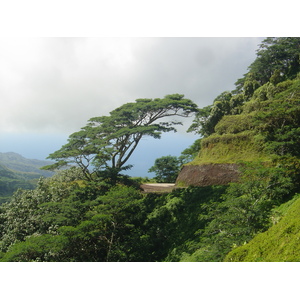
{"type": "Point", "coordinates": [17, 172]}
{"type": "Point", "coordinates": [30, 168]}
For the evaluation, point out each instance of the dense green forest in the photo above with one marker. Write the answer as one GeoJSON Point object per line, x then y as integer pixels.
{"type": "Point", "coordinates": [92, 212]}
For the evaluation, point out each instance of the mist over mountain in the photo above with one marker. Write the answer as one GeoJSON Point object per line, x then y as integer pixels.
{"type": "Point", "coordinates": [17, 172]}
{"type": "Point", "coordinates": [17, 162]}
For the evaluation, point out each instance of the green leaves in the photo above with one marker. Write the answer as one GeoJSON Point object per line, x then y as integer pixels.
{"type": "Point", "coordinates": [208, 117]}
{"type": "Point", "coordinates": [279, 243]}
{"type": "Point", "coordinates": [278, 59]}
{"type": "Point", "coordinates": [109, 141]}
{"type": "Point", "coordinates": [46, 248]}
{"type": "Point", "coordinates": [279, 55]}
{"type": "Point", "coordinates": [245, 209]}
{"type": "Point", "coordinates": [166, 168]}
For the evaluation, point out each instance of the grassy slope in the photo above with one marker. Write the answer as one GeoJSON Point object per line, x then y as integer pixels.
{"type": "Point", "coordinates": [230, 148]}
{"type": "Point", "coordinates": [238, 137]}
{"type": "Point", "coordinates": [281, 243]}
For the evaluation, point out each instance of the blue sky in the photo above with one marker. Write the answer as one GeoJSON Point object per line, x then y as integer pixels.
{"type": "Point", "coordinates": [39, 146]}
{"type": "Point", "coordinates": [50, 87]}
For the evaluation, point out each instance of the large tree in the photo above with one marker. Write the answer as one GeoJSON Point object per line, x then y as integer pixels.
{"type": "Point", "coordinates": [109, 141]}
{"type": "Point", "coordinates": [277, 54]}
{"type": "Point", "coordinates": [278, 59]}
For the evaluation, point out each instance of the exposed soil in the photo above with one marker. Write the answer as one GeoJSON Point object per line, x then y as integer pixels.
{"type": "Point", "coordinates": [198, 175]}
{"type": "Point", "coordinates": [158, 187]}
{"type": "Point", "coordinates": [209, 174]}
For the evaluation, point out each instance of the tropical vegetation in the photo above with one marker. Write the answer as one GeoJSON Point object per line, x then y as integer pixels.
{"type": "Point", "coordinates": [91, 211]}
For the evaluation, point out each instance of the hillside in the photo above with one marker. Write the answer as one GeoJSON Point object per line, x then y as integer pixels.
{"type": "Point", "coordinates": [29, 168]}
{"type": "Point", "coordinates": [18, 172]}
{"type": "Point", "coordinates": [238, 200]}
{"type": "Point", "coordinates": [278, 244]}
{"type": "Point", "coordinates": [250, 141]}
{"type": "Point", "coordinates": [265, 129]}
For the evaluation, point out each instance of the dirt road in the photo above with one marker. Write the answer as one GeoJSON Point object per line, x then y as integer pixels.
{"type": "Point", "coordinates": [158, 187]}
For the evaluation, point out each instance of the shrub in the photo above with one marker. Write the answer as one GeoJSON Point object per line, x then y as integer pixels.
{"type": "Point", "coordinates": [234, 124]}
{"type": "Point", "coordinates": [280, 243]}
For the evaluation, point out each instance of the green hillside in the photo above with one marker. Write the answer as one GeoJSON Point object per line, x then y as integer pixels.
{"type": "Point", "coordinates": [266, 127]}
{"type": "Point", "coordinates": [18, 172]}
{"type": "Point", "coordinates": [281, 243]}
{"type": "Point", "coordinates": [29, 168]}
{"type": "Point", "coordinates": [257, 126]}
{"type": "Point", "coordinates": [10, 181]}
{"type": "Point", "coordinates": [93, 212]}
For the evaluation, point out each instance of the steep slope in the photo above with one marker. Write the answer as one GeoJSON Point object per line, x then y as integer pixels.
{"type": "Point", "coordinates": [260, 118]}
{"type": "Point", "coordinates": [255, 130]}
{"type": "Point", "coordinates": [266, 128]}
{"type": "Point", "coordinates": [281, 243]}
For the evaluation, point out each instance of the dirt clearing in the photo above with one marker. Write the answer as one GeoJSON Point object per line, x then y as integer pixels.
{"type": "Point", "coordinates": [158, 187]}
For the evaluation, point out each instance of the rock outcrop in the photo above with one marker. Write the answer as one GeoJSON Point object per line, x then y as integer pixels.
{"type": "Point", "coordinates": [207, 174]}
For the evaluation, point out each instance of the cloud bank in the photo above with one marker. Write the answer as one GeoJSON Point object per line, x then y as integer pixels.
{"type": "Point", "coordinates": [54, 85]}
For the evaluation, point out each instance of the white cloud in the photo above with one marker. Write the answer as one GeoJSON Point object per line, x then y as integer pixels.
{"type": "Point", "coordinates": [57, 84]}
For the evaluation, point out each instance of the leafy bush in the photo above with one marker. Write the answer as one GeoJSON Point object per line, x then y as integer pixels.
{"type": "Point", "coordinates": [281, 243]}
{"type": "Point", "coordinates": [166, 168]}
{"type": "Point", "coordinates": [244, 211]}
{"type": "Point", "coordinates": [234, 124]}
{"type": "Point", "coordinates": [265, 92]}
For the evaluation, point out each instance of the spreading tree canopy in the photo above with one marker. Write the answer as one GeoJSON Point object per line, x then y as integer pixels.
{"type": "Point", "coordinates": [109, 141]}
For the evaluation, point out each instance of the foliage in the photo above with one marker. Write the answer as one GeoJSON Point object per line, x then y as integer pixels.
{"type": "Point", "coordinates": [108, 230]}
{"type": "Point", "coordinates": [166, 168]}
{"type": "Point", "coordinates": [234, 124]}
{"type": "Point", "coordinates": [79, 221]}
{"type": "Point", "coordinates": [279, 55]}
{"type": "Point", "coordinates": [279, 121]}
{"type": "Point", "coordinates": [190, 153]}
{"type": "Point", "coordinates": [207, 118]}
{"type": "Point", "coordinates": [250, 84]}
{"type": "Point", "coordinates": [67, 218]}
{"type": "Point", "coordinates": [109, 141]}
{"type": "Point", "coordinates": [201, 124]}
{"type": "Point", "coordinates": [263, 128]}
{"type": "Point", "coordinates": [231, 148]}
{"type": "Point", "coordinates": [244, 212]}
{"type": "Point", "coordinates": [268, 126]}
{"type": "Point", "coordinates": [70, 219]}
{"type": "Point", "coordinates": [279, 244]}
{"type": "Point", "coordinates": [26, 214]}
{"type": "Point", "coordinates": [173, 219]}
{"type": "Point", "coordinates": [36, 248]}
{"type": "Point", "coordinates": [278, 59]}
{"type": "Point", "coordinates": [79, 215]}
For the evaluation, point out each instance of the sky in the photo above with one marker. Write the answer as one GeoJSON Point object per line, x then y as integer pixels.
{"type": "Point", "coordinates": [60, 66]}
{"type": "Point", "coordinates": [51, 86]}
